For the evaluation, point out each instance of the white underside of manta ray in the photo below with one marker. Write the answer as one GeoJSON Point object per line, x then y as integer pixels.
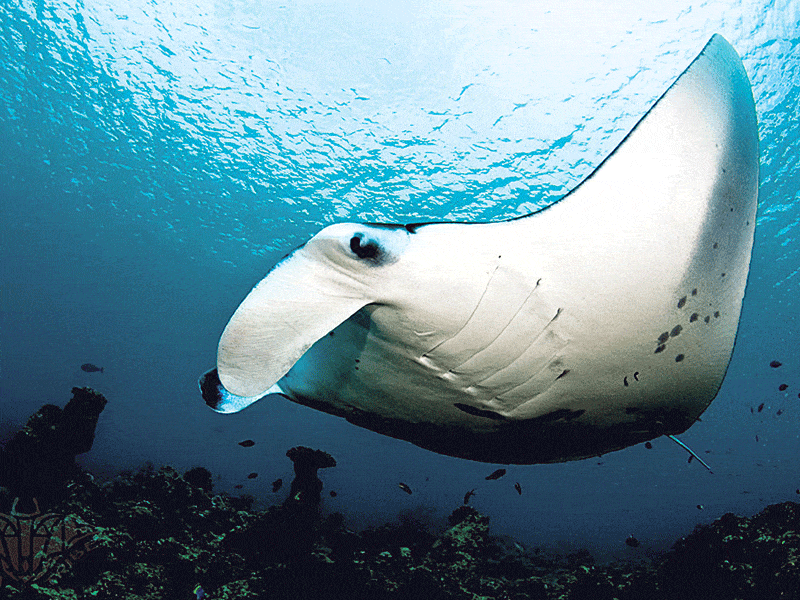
{"type": "Point", "coordinates": [605, 320]}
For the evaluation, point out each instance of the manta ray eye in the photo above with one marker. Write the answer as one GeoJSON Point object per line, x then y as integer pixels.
{"type": "Point", "coordinates": [363, 250]}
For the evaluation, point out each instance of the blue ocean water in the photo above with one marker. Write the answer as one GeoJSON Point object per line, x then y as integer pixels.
{"type": "Point", "coordinates": [158, 158]}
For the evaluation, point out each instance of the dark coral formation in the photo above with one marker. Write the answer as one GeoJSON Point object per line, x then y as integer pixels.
{"type": "Point", "coordinates": [306, 486]}
{"type": "Point", "coordinates": [159, 535]}
{"type": "Point", "coordinates": [40, 459]}
{"type": "Point", "coordinates": [736, 557]}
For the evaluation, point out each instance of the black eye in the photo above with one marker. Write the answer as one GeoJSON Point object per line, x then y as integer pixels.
{"type": "Point", "coordinates": [368, 250]}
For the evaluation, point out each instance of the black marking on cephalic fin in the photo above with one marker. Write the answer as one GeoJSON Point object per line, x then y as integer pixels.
{"type": "Point", "coordinates": [209, 388]}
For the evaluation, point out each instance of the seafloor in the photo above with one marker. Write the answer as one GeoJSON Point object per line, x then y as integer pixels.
{"type": "Point", "coordinates": [157, 534]}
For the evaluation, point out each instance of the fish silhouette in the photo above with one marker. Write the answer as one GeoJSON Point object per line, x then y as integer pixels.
{"type": "Point", "coordinates": [90, 368]}
{"type": "Point", "coordinates": [496, 474]}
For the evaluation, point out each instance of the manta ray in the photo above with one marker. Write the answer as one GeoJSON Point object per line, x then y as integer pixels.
{"type": "Point", "coordinates": [601, 321]}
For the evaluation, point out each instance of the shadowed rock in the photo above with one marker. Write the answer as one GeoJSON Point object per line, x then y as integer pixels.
{"type": "Point", "coordinates": [306, 486]}
{"type": "Point", "coordinates": [40, 459]}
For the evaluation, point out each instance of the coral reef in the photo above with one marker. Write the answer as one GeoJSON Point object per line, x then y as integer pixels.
{"type": "Point", "coordinates": [306, 486]}
{"type": "Point", "coordinates": [40, 459]}
{"type": "Point", "coordinates": [156, 534]}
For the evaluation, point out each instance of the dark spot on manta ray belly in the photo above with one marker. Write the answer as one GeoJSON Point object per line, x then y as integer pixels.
{"type": "Point", "coordinates": [675, 331]}
{"type": "Point", "coordinates": [663, 337]}
{"type": "Point", "coordinates": [693, 318]}
{"type": "Point", "coordinates": [682, 302]}
{"type": "Point", "coordinates": [479, 412]}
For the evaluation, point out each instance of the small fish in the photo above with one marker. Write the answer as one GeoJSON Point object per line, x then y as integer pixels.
{"type": "Point", "coordinates": [690, 459]}
{"type": "Point", "coordinates": [247, 443]}
{"type": "Point", "coordinates": [90, 368]}
{"type": "Point", "coordinates": [648, 445]}
{"type": "Point", "coordinates": [199, 592]}
{"type": "Point", "coordinates": [756, 437]}
{"type": "Point", "coordinates": [632, 542]}
{"type": "Point", "coordinates": [496, 474]}
{"type": "Point", "coordinates": [238, 486]}
{"type": "Point", "coordinates": [333, 494]}
{"type": "Point", "coordinates": [782, 387]}
{"type": "Point", "coordinates": [518, 487]}
{"type": "Point", "coordinates": [775, 364]}
{"type": "Point", "coordinates": [520, 548]}
{"type": "Point", "coordinates": [760, 407]}
{"type": "Point", "coordinates": [252, 475]}
{"type": "Point", "coordinates": [780, 412]}
{"type": "Point", "coordinates": [404, 487]}
{"type": "Point", "coordinates": [468, 495]}
{"type": "Point", "coordinates": [797, 491]}
{"type": "Point", "coordinates": [699, 507]}
{"type": "Point", "coordinates": [276, 485]}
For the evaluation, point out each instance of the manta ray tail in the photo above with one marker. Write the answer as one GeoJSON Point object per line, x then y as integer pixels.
{"type": "Point", "coordinates": [689, 450]}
